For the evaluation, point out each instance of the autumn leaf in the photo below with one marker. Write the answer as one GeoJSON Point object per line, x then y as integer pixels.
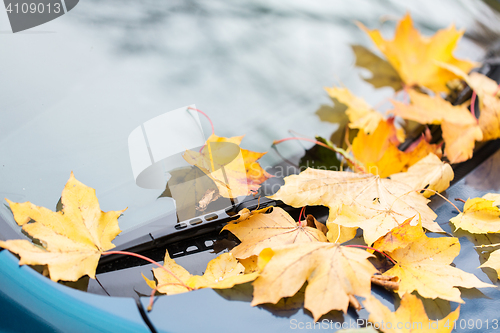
{"type": "Point", "coordinates": [409, 317]}
{"type": "Point", "coordinates": [493, 262]}
{"type": "Point", "coordinates": [379, 152]}
{"type": "Point", "coordinates": [259, 231]}
{"type": "Point", "coordinates": [334, 275]}
{"type": "Point", "coordinates": [460, 141]}
{"type": "Point", "coordinates": [414, 56]}
{"type": "Point", "coordinates": [429, 173]}
{"type": "Point", "coordinates": [480, 215]}
{"type": "Point", "coordinates": [424, 265]}
{"type": "Point", "coordinates": [72, 239]}
{"type": "Point", "coordinates": [383, 74]}
{"type": "Point", "coordinates": [358, 200]}
{"type": "Point", "coordinates": [234, 170]}
{"type": "Point", "coordinates": [489, 103]}
{"type": "Point", "coordinates": [489, 119]}
{"type": "Point", "coordinates": [399, 237]}
{"type": "Point", "coordinates": [460, 129]}
{"type": "Point", "coordinates": [427, 109]}
{"type": "Point", "coordinates": [360, 114]}
{"type": "Point", "coordinates": [221, 273]}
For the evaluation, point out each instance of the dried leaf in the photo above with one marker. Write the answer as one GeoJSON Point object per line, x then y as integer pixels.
{"type": "Point", "coordinates": [73, 239]}
{"type": "Point", "coordinates": [432, 110]}
{"type": "Point", "coordinates": [333, 273]}
{"type": "Point", "coordinates": [409, 317]}
{"type": "Point", "coordinates": [430, 172]}
{"type": "Point", "coordinates": [414, 56]}
{"type": "Point", "coordinates": [460, 141]}
{"type": "Point", "coordinates": [222, 272]}
{"type": "Point", "coordinates": [493, 262]}
{"type": "Point", "coordinates": [489, 102]}
{"type": "Point", "coordinates": [424, 265]}
{"type": "Point", "coordinates": [260, 231]}
{"type": "Point", "coordinates": [399, 237]}
{"type": "Point", "coordinates": [358, 200]}
{"type": "Point", "coordinates": [480, 215]}
{"type": "Point", "coordinates": [360, 114]}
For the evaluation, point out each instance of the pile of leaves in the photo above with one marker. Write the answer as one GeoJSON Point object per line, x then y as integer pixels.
{"type": "Point", "coordinates": [382, 195]}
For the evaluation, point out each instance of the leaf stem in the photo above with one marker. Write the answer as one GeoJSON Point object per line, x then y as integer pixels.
{"type": "Point", "coordinates": [347, 157]}
{"type": "Point", "coordinates": [460, 199]}
{"type": "Point", "coordinates": [300, 215]}
{"type": "Point", "coordinates": [472, 104]}
{"type": "Point", "coordinates": [149, 260]}
{"type": "Point", "coordinates": [374, 249]}
{"type": "Point", "coordinates": [442, 196]}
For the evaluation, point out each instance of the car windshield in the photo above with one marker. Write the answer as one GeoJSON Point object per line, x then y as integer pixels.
{"type": "Point", "coordinates": [77, 87]}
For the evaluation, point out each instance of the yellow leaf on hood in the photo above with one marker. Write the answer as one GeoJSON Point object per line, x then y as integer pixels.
{"type": "Point", "coordinates": [408, 318]}
{"type": "Point", "coordinates": [429, 173]}
{"type": "Point", "coordinates": [73, 239]}
{"type": "Point", "coordinates": [424, 265]}
{"type": "Point", "coordinates": [260, 231]}
{"type": "Point", "coordinates": [414, 56]}
{"type": "Point", "coordinates": [460, 140]}
{"type": "Point", "coordinates": [493, 262]}
{"type": "Point", "coordinates": [489, 103]}
{"type": "Point", "coordinates": [480, 215]}
{"type": "Point", "coordinates": [432, 110]}
{"type": "Point", "coordinates": [334, 273]}
{"type": "Point", "coordinates": [460, 128]}
{"type": "Point", "coordinates": [234, 170]}
{"type": "Point", "coordinates": [358, 200]}
{"type": "Point", "coordinates": [399, 237]}
{"type": "Point", "coordinates": [360, 114]}
{"type": "Point", "coordinates": [222, 272]}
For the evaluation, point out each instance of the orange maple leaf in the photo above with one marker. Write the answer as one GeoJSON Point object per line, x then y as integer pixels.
{"type": "Point", "coordinates": [379, 152]}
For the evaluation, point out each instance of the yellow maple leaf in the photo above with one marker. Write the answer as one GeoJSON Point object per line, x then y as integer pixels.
{"type": "Point", "coordinates": [360, 114]}
{"type": "Point", "coordinates": [259, 231]}
{"type": "Point", "coordinates": [222, 272]}
{"type": "Point", "coordinates": [414, 56]}
{"type": "Point", "coordinates": [426, 109]}
{"type": "Point", "coordinates": [334, 274]}
{"type": "Point", "coordinates": [358, 200]}
{"type": "Point", "coordinates": [460, 128]}
{"type": "Point", "coordinates": [234, 170]}
{"type": "Point", "coordinates": [489, 102]}
{"type": "Point", "coordinates": [424, 265]}
{"type": "Point", "coordinates": [429, 173]}
{"type": "Point", "coordinates": [493, 262]}
{"type": "Point", "coordinates": [401, 236]}
{"type": "Point", "coordinates": [409, 317]}
{"type": "Point", "coordinates": [72, 239]}
{"type": "Point", "coordinates": [480, 215]}
{"type": "Point", "coordinates": [379, 152]}
{"type": "Point", "coordinates": [489, 119]}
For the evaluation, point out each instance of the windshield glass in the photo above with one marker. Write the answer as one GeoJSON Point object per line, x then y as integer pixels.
{"type": "Point", "coordinates": [76, 88]}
